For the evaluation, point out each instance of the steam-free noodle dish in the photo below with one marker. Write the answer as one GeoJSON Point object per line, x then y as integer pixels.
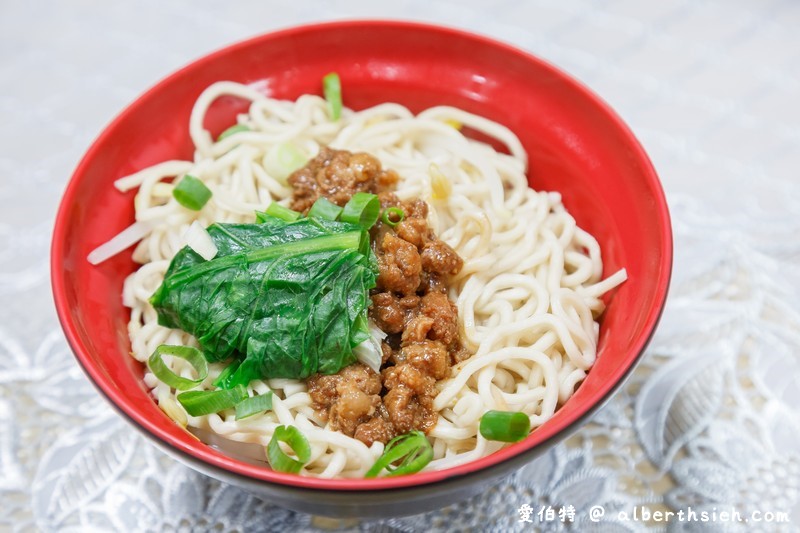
{"type": "Point", "coordinates": [358, 293]}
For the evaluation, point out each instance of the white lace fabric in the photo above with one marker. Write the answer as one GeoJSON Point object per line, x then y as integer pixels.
{"type": "Point", "coordinates": [710, 418]}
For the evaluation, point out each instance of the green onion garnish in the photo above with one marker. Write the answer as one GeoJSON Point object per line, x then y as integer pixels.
{"type": "Point", "coordinates": [281, 462]}
{"type": "Point", "coordinates": [205, 402]}
{"type": "Point", "coordinates": [284, 213]}
{"type": "Point", "coordinates": [191, 193]}
{"type": "Point", "coordinates": [505, 426]}
{"type": "Point", "coordinates": [362, 209]}
{"type": "Point", "coordinates": [162, 371]}
{"type": "Point", "coordinates": [232, 130]}
{"type": "Point", "coordinates": [324, 208]}
{"type": "Point", "coordinates": [254, 405]}
{"type": "Point", "coordinates": [223, 381]}
{"type": "Point", "coordinates": [332, 88]}
{"type": "Point", "coordinates": [392, 216]}
{"type": "Point", "coordinates": [412, 450]}
{"type": "Point", "coordinates": [283, 159]}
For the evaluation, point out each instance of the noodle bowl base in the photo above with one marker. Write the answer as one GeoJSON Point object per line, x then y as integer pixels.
{"type": "Point", "coordinates": [591, 159]}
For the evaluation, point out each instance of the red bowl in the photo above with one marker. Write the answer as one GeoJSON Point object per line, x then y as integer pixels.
{"type": "Point", "coordinates": [577, 146]}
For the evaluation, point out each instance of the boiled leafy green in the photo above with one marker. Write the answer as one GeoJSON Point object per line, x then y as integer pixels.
{"type": "Point", "coordinates": [282, 299]}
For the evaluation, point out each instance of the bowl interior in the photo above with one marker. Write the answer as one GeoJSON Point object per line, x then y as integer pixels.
{"type": "Point", "coordinates": [576, 145]}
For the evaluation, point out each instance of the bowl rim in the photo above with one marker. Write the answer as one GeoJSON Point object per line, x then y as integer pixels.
{"type": "Point", "coordinates": [227, 466]}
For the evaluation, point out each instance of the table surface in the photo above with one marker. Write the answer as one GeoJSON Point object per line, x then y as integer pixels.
{"type": "Point", "coordinates": [710, 419]}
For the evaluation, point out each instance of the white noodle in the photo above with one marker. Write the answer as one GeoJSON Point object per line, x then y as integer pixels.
{"type": "Point", "coordinates": [527, 296]}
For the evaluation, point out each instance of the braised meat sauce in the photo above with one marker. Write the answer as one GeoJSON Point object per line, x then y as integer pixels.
{"type": "Point", "coordinates": [409, 303]}
{"type": "Point", "coordinates": [337, 175]}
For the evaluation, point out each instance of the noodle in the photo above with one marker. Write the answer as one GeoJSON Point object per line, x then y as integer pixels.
{"type": "Point", "coordinates": [527, 296]}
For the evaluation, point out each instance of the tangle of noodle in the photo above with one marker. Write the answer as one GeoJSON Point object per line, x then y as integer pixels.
{"type": "Point", "coordinates": [527, 297]}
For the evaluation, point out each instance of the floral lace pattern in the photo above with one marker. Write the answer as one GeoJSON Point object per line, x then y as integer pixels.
{"type": "Point", "coordinates": [709, 420]}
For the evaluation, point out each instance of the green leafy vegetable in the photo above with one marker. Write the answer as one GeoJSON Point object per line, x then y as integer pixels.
{"type": "Point", "coordinates": [223, 381]}
{"type": "Point", "coordinates": [505, 426]}
{"type": "Point", "coordinates": [332, 88]}
{"type": "Point", "coordinates": [162, 371]}
{"type": "Point", "coordinates": [298, 442]}
{"type": "Point", "coordinates": [191, 193]}
{"type": "Point", "coordinates": [280, 299]}
{"type": "Point", "coordinates": [412, 450]}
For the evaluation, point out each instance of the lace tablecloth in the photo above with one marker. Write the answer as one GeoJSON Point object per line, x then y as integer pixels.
{"type": "Point", "coordinates": [710, 419]}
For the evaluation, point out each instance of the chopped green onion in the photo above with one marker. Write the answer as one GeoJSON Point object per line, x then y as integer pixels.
{"type": "Point", "coordinates": [392, 213]}
{"type": "Point", "coordinates": [223, 381]}
{"type": "Point", "coordinates": [362, 209]}
{"type": "Point", "coordinates": [284, 213]}
{"type": "Point", "coordinates": [162, 371]}
{"type": "Point", "coordinates": [324, 208]}
{"type": "Point", "coordinates": [191, 193]}
{"type": "Point", "coordinates": [253, 405]}
{"type": "Point", "coordinates": [505, 426]}
{"type": "Point", "coordinates": [283, 159]}
{"type": "Point", "coordinates": [281, 462]}
{"type": "Point", "coordinates": [205, 402]}
{"type": "Point", "coordinates": [412, 450]}
{"type": "Point", "coordinates": [232, 130]}
{"type": "Point", "coordinates": [332, 88]}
